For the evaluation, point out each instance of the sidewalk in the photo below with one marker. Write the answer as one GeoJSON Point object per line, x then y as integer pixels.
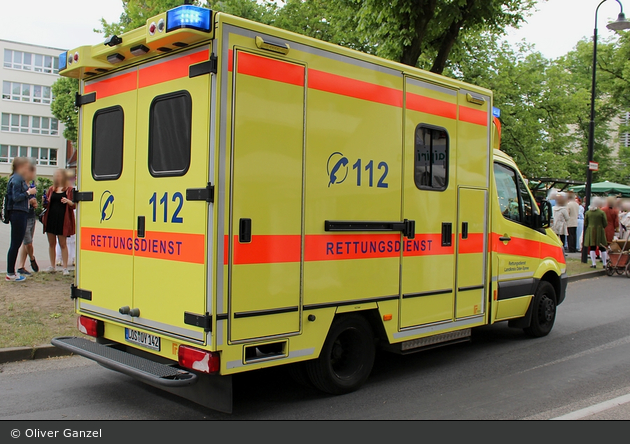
{"type": "Point", "coordinates": [40, 242]}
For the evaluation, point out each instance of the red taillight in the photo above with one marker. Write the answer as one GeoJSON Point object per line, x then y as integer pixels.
{"type": "Point", "coordinates": [152, 28]}
{"type": "Point", "coordinates": [89, 326]}
{"type": "Point", "coordinates": [76, 56]}
{"type": "Point", "coordinates": [199, 360]}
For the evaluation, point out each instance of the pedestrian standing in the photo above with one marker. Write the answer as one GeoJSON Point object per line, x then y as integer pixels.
{"type": "Point", "coordinates": [561, 217]}
{"type": "Point", "coordinates": [580, 227]}
{"type": "Point", "coordinates": [595, 222]}
{"type": "Point", "coordinates": [31, 220]}
{"type": "Point", "coordinates": [59, 222]}
{"type": "Point", "coordinates": [18, 196]}
{"type": "Point", "coordinates": [612, 217]}
{"type": "Point", "coordinates": [574, 211]}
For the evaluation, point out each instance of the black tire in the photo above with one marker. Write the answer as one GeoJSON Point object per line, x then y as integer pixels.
{"type": "Point", "coordinates": [544, 311]}
{"type": "Point", "coordinates": [610, 270]}
{"type": "Point", "coordinates": [347, 356]}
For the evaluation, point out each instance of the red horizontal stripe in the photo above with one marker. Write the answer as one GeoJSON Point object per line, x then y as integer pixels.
{"type": "Point", "coordinates": [112, 86]}
{"type": "Point", "coordinates": [428, 105]}
{"type": "Point", "coordinates": [180, 247]}
{"type": "Point", "coordinates": [358, 89]}
{"type": "Point", "coordinates": [270, 69]}
{"type": "Point", "coordinates": [473, 244]}
{"type": "Point", "coordinates": [170, 69]}
{"type": "Point", "coordinates": [528, 248]}
{"type": "Point", "coordinates": [265, 249]}
{"type": "Point", "coordinates": [471, 115]}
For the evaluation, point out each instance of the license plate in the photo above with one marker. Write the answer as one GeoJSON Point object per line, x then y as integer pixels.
{"type": "Point", "coordinates": [143, 339]}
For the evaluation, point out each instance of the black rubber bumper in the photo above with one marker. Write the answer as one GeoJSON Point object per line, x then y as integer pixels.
{"type": "Point", "coordinates": [564, 281]}
{"type": "Point", "coordinates": [123, 362]}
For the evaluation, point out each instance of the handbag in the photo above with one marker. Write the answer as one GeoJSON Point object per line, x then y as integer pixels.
{"type": "Point", "coordinates": [41, 215]}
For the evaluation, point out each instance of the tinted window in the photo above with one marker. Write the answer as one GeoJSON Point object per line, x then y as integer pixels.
{"type": "Point", "coordinates": [515, 202]}
{"type": "Point", "coordinates": [169, 134]}
{"type": "Point", "coordinates": [107, 143]}
{"type": "Point", "coordinates": [431, 158]}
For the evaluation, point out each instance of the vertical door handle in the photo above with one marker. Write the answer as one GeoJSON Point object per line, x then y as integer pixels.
{"type": "Point", "coordinates": [141, 226]}
{"type": "Point", "coordinates": [464, 230]}
{"type": "Point", "coordinates": [447, 234]}
{"type": "Point", "coordinates": [244, 231]}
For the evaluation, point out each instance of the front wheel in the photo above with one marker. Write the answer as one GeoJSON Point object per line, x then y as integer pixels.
{"type": "Point", "coordinates": [347, 356]}
{"type": "Point", "coordinates": [544, 311]}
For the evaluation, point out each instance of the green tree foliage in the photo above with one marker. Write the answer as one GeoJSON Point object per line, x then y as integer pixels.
{"type": "Point", "coordinates": [135, 14]}
{"type": "Point", "coordinates": [62, 106]}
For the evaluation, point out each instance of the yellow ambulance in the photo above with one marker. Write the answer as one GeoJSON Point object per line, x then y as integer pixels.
{"type": "Point", "coordinates": [250, 197]}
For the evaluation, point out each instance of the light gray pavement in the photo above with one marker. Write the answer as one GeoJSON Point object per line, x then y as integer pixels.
{"type": "Point", "coordinates": [501, 374]}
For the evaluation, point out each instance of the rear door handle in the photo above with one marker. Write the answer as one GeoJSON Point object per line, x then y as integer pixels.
{"type": "Point", "coordinates": [505, 238]}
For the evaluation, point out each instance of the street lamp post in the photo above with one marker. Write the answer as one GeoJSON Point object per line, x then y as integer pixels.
{"type": "Point", "coordinates": [619, 25]}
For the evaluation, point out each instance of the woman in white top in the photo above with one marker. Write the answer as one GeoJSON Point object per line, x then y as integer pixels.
{"type": "Point", "coordinates": [561, 217]}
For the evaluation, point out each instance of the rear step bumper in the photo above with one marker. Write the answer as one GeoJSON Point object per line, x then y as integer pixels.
{"type": "Point", "coordinates": [144, 369]}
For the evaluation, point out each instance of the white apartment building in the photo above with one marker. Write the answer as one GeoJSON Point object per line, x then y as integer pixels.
{"type": "Point", "coordinates": [27, 126]}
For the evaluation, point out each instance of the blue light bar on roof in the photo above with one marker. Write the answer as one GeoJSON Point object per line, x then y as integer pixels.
{"type": "Point", "coordinates": [63, 60]}
{"type": "Point", "coordinates": [496, 112]}
{"type": "Point", "coordinates": [188, 16]}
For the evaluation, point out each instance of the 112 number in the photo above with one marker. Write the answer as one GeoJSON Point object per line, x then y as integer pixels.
{"type": "Point", "coordinates": [370, 169]}
{"type": "Point", "coordinates": [177, 197]}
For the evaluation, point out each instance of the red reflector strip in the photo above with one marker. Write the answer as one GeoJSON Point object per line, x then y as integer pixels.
{"type": "Point", "coordinates": [475, 116]}
{"type": "Point", "coordinates": [268, 249]}
{"type": "Point", "coordinates": [473, 244]}
{"type": "Point", "coordinates": [270, 69]}
{"type": "Point", "coordinates": [170, 69]}
{"type": "Point", "coordinates": [180, 247]}
{"type": "Point", "coordinates": [112, 86]}
{"type": "Point", "coordinates": [416, 102]}
{"type": "Point", "coordinates": [332, 83]}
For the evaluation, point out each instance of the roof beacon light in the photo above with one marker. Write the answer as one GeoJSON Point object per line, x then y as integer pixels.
{"type": "Point", "coordinates": [63, 61]}
{"type": "Point", "coordinates": [188, 16]}
{"type": "Point", "coordinates": [496, 112]}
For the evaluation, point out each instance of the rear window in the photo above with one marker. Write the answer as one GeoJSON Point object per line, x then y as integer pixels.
{"type": "Point", "coordinates": [169, 134]}
{"type": "Point", "coordinates": [431, 158]}
{"type": "Point", "coordinates": [107, 143]}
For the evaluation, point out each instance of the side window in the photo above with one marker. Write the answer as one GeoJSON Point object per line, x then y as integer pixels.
{"type": "Point", "coordinates": [170, 120]}
{"type": "Point", "coordinates": [515, 202]}
{"type": "Point", "coordinates": [107, 143]}
{"type": "Point", "coordinates": [431, 158]}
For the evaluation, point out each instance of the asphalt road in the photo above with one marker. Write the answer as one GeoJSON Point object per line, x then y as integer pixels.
{"type": "Point", "coordinates": [501, 374]}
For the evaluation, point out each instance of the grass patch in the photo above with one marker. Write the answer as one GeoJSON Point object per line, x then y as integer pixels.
{"type": "Point", "coordinates": [575, 266]}
{"type": "Point", "coordinates": [35, 311]}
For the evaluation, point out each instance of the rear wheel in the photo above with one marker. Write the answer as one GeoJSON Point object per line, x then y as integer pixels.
{"type": "Point", "coordinates": [347, 356]}
{"type": "Point", "coordinates": [544, 311]}
{"type": "Point", "coordinates": [609, 269]}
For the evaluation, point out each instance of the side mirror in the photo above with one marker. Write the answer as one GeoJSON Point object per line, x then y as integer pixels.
{"type": "Point", "coordinates": [546, 214]}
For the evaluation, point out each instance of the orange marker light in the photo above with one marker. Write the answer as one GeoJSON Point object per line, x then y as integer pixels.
{"type": "Point", "coordinates": [387, 317]}
{"type": "Point", "coordinates": [495, 295]}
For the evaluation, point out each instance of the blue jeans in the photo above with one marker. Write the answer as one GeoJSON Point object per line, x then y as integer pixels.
{"type": "Point", "coordinates": [18, 230]}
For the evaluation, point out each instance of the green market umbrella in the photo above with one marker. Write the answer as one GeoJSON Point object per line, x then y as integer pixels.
{"type": "Point", "coordinates": [605, 188]}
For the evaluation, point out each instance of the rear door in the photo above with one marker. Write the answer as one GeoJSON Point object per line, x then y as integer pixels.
{"type": "Point", "coordinates": [266, 217]}
{"type": "Point", "coordinates": [107, 168]}
{"type": "Point", "coordinates": [172, 156]}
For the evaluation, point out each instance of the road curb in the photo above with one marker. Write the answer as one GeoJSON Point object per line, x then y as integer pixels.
{"type": "Point", "coordinates": [13, 354]}
{"type": "Point", "coordinates": [587, 275]}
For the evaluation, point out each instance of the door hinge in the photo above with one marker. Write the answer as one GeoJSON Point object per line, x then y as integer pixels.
{"type": "Point", "coordinates": [79, 293]}
{"type": "Point", "coordinates": [197, 320]}
{"type": "Point", "coordinates": [207, 67]}
{"type": "Point", "coordinates": [206, 193]}
{"type": "Point", "coordinates": [80, 100]}
{"type": "Point", "coordinates": [83, 196]}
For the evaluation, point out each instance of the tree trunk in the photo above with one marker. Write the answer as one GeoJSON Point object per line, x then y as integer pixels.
{"type": "Point", "coordinates": [411, 53]}
{"type": "Point", "coordinates": [450, 37]}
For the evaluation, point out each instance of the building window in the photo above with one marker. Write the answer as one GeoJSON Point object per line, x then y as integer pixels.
{"type": "Point", "coordinates": [24, 92]}
{"type": "Point", "coordinates": [19, 123]}
{"type": "Point", "coordinates": [107, 143]}
{"type": "Point", "coordinates": [31, 62]}
{"type": "Point", "coordinates": [431, 158]}
{"type": "Point", "coordinates": [170, 120]}
{"type": "Point", "coordinates": [42, 156]}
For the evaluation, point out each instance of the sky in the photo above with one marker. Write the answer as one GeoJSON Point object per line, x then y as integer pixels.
{"type": "Point", "coordinates": [554, 28]}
